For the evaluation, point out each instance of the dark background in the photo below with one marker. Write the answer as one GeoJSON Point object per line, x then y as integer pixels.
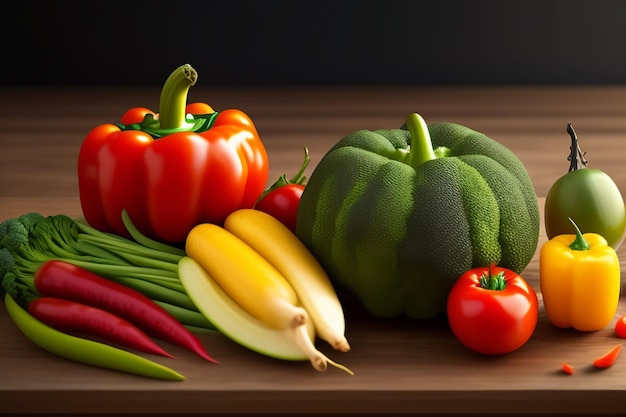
{"type": "Point", "coordinates": [315, 42]}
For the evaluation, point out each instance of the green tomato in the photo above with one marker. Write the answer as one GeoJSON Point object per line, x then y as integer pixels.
{"type": "Point", "coordinates": [589, 197]}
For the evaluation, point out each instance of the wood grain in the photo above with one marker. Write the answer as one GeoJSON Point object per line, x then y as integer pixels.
{"type": "Point", "coordinates": [400, 365]}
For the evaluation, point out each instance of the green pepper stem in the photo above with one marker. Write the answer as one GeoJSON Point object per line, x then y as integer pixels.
{"type": "Point", "coordinates": [576, 157]}
{"type": "Point", "coordinates": [579, 243]}
{"type": "Point", "coordinates": [421, 149]}
{"type": "Point", "coordinates": [174, 97]}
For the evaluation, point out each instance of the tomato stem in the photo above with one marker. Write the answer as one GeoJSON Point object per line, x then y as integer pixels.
{"type": "Point", "coordinates": [490, 281]}
{"type": "Point", "coordinates": [576, 157]}
{"type": "Point", "coordinates": [579, 243]}
{"type": "Point", "coordinates": [299, 177]}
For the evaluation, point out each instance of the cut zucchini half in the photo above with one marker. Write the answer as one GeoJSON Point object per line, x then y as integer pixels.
{"type": "Point", "coordinates": [234, 322]}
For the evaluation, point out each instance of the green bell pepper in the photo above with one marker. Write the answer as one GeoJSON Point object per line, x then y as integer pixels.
{"type": "Point", "coordinates": [396, 216]}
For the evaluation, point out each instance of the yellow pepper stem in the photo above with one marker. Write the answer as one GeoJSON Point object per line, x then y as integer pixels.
{"type": "Point", "coordinates": [579, 243]}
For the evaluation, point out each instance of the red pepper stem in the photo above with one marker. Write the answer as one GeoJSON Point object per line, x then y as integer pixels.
{"type": "Point", "coordinates": [174, 97]}
{"type": "Point", "coordinates": [579, 243]}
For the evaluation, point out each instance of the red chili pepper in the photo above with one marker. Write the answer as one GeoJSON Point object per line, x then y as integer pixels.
{"type": "Point", "coordinates": [61, 279]}
{"type": "Point", "coordinates": [608, 359]}
{"type": "Point", "coordinates": [171, 169]}
{"type": "Point", "coordinates": [70, 316]}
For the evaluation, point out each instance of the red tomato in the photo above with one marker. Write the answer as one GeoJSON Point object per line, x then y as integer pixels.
{"type": "Point", "coordinates": [492, 310]}
{"type": "Point", "coordinates": [282, 203]}
{"type": "Point", "coordinates": [620, 327]}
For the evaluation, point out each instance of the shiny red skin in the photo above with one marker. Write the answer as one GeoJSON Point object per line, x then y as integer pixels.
{"type": "Point", "coordinates": [169, 185]}
{"type": "Point", "coordinates": [492, 322]}
{"type": "Point", "coordinates": [60, 279]}
{"type": "Point", "coordinates": [620, 327]}
{"type": "Point", "coordinates": [282, 203]}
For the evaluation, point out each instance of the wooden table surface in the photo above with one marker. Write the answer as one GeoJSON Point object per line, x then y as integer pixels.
{"type": "Point", "coordinates": [400, 366]}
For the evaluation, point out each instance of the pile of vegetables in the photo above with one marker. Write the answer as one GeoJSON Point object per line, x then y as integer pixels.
{"type": "Point", "coordinates": [127, 281]}
{"type": "Point", "coordinates": [181, 238]}
{"type": "Point", "coordinates": [29, 240]}
{"type": "Point", "coordinates": [64, 273]}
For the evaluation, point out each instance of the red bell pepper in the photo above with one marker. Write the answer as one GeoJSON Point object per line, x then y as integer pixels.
{"type": "Point", "coordinates": [173, 169]}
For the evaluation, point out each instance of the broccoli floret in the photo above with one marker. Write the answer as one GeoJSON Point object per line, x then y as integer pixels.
{"type": "Point", "coordinates": [7, 261]}
{"type": "Point", "coordinates": [13, 234]}
{"type": "Point", "coordinates": [29, 220]}
{"type": "Point", "coordinates": [19, 284]}
{"type": "Point", "coordinates": [21, 254]}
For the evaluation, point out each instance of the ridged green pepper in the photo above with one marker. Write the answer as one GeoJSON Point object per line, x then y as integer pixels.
{"type": "Point", "coordinates": [398, 215]}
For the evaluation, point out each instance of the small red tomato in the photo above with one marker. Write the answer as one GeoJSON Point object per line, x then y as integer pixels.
{"type": "Point", "coordinates": [492, 310]}
{"type": "Point", "coordinates": [282, 203]}
{"type": "Point", "coordinates": [620, 327]}
{"type": "Point", "coordinates": [282, 199]}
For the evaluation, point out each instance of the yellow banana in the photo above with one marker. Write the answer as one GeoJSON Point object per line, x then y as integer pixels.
{"type": "Point", "coordinates": [248, 278]}
{"type": "Point", "coordinates": [233, 321]}
{"type": "Point", "coordinates": [253, 284]}
{"type": "Point", "coordinates": [286, 252]}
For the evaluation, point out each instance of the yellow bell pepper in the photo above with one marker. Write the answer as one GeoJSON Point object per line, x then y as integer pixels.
{"type": "Point", "coordinates": [579, 278]}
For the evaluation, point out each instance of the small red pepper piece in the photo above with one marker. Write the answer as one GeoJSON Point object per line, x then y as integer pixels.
{"type": "Point", "coordinates": [70, 316]}
{"type": "Point", "coordinates": [60, 279]}
{"type": "Point", "coordinates": [567, 368]}
{"type": "Point", "coordinates": [608, 359]}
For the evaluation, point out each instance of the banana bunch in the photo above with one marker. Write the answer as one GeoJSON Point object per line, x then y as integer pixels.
{"type": "Point", "coordinates": [258, 284]}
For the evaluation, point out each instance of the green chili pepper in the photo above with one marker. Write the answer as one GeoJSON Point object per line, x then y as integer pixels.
{"type": "Point", "coordinates": [84, 350]}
